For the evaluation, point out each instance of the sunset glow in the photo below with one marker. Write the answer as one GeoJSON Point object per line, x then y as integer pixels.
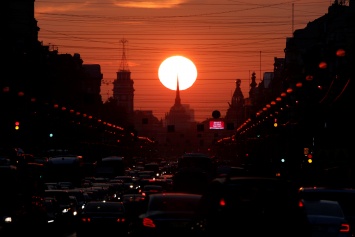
{"type": "Point", "coordinates": [177, 68]}
{"type": "Point", "coordinates": [226, 40]}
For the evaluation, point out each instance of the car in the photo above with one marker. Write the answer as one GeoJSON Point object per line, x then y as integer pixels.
{"type": "Point", "coordinates": [99, 218]}
{"type": "Point", "coordinates": [17, 214]}
{"type": "Point", "coordinates": [80, 196]}
{"type": "Point", "coordinates": [151, 188]}
{"type": "Point", "coordinates": [165, 183]}
{"type": "Point", "coordinates": [194, 172]}
{"type": "Point", "coordinates": [252, 206]}
{"type": "Point", "coordinates": [326, 218]}
{"type": "Point", "coordinates": [344, 195]}
{"type": "Point", "coordinates": [167, 214]}
{"type": "Point", "coordinates": [10, 217]}
{"type": "Point", "coordinates": [68, 206]}
{"type": "Point", "coordinates": [135, 204]}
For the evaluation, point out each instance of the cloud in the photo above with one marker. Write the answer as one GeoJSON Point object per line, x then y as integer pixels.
{"type": "Point", "coordinates": [59, 8]}
{"type": "Point", "coordinates": [149, 4]}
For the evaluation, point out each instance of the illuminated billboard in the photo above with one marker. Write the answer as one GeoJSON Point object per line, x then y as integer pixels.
{"type": "Point", "coordinates": [216, 124]}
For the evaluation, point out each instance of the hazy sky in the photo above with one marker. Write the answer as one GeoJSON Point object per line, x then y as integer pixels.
{"type": "Point", "coordinates": [226, 39]}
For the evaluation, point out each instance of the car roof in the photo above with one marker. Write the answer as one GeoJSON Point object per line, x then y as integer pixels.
{"type": "Point", "coordinates": [195, 154]}
{"type": "Point", "coordinates": [173, 202]}
{"type": "Point", "coordinates": [327, 189]}
{"type": "Point", "coordinates": [176, 194]}
{"type": "Point", "coordinates": [104, 206]}
{"type": "Point", "coordinates": [63, 160]}
{"type": "Point", "coordinates": [152, 186]}
{"type": "Point", "coordinates": [104, 203]}
{"type": "Point", "coordinates": [249, 179]}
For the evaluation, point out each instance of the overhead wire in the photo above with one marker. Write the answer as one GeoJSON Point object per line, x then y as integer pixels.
{"type": "Point", "coordinates": [201, 34]}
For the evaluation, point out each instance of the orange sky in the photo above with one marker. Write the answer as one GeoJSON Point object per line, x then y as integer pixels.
{"type": "Point", "coordinates": [226, 39]}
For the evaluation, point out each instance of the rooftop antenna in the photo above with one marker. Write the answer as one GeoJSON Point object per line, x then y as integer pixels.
{"type": "Point", "coordinates": [124, 64]}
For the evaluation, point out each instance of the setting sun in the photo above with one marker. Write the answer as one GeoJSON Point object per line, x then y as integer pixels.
{"type": "Point", "coordinates": [177, 67]}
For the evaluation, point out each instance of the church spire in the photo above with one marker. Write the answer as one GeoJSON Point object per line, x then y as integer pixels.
{"type": "Point", "coordinates": [177, 98]}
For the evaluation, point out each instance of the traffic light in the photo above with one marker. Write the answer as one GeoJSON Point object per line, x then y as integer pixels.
{"type": "Point", "coordinates": [310, 158]}
{"type": "Point", "coordinates": [17, 125]}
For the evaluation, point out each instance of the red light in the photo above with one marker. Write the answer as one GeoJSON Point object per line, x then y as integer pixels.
{"type": "Point", "coordinates": [17, 125]}
{"type": "Point", "coordinates": [344, 228]}
{"type": "Point", "coordinates": [148, 223]}
{"type": "Point", "coordinates": [323, 65]}
{"type": "Point", "coordinates": [222, 202]}
{"type": "Point", "coordinates": [309, 77]}
{"type": "Point", "coordinates": [85, 219]}
{"type": "Point", "coordinates": [340, 53]}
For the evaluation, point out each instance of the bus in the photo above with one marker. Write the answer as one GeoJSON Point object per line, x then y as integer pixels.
{"type": "Point", "coordinates": [64, 169]}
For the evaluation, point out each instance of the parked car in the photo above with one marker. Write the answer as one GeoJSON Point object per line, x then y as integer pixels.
{"type": "Point", "coordinates": [168, 214]}
{"type": "Point", "coordinates": [252, 206]}
{"type": "Point", "coordinates": [100, 218]}
{"type": "Point", "coordinates": [326, 218]}
{"type": "Point", "coordinates": [344, 196]}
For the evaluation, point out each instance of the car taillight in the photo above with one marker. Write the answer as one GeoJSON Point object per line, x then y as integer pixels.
{"type": "Point", "coordinates": [120, 220]}
{"type": "Point", "coordinates": [344, 228]}
{"type": "Point", "coordinates": [148, 223]}
{"type": "Point", "coordinates": [85, 219]}
{"type": "Point", "coordinates": [222, 202]}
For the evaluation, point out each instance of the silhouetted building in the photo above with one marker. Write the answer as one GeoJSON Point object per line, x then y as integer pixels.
{"type": "Point", "coordinates": [307, 104]}
{"type": "Point", "coordinates": [180, 115]}
{"type": "Point", "coordinates": [146, 124]}
{"type": "Point", "coordinates": [235, 114]}
{"type": "Point", "coordinates": [91, 86]}
{"type": "Point", "coordinates": [123, 90]}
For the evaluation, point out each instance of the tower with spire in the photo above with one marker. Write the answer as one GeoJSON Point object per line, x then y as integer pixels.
{"type": "Point", "coordinates": [235, 113]}
{"type": "Point", "coordinates": [123, 90]}
{"type": "Point", "coordinates": [180, 115]}
{"type": "Point", "coordinates": [177, 97]}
